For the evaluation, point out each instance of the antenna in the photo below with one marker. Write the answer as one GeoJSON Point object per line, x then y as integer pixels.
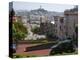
{"type": "Point", "coordinates": [40, 6]}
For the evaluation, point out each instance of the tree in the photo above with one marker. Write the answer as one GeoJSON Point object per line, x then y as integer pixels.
{"type": "Point", "coordinates": [18, 31]}
{"type": "Point", "coordinates": [35, 30]}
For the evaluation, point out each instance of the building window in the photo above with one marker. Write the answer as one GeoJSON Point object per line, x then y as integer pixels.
{"type": "Point", "coordinates": [61, 20]}
{"type": "Point", "coordinates": [60, 27]}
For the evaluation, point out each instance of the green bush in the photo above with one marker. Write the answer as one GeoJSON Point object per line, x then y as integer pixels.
{"type": "Point", "coordinates": [35, 30]}
{"type": "Point", "coordinates": [18, 31]}
{"type": "Point", "coordinates": [23, 56]}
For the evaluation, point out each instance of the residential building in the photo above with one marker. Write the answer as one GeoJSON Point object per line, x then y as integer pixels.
{"type": "Point", "coordinates": [59, 27]}
{"type": "Point", "coordinates": [71, 18]}
{"type": "Point", "coordinates": [46, 27]}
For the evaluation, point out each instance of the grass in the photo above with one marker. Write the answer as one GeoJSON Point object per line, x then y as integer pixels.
{"type": "Point", "coordinates": [23, 55]}
{"type": "Point", "coordinates": [44, 41]}
{"type": "Point", "coordinates": [64, 53]}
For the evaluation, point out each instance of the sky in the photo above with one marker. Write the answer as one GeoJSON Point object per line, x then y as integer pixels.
{"type": "Point", "coordinates": [47, 6]}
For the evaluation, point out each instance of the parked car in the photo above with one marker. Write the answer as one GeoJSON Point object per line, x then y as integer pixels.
{"type": "Point", "coordinates": [63, 46]}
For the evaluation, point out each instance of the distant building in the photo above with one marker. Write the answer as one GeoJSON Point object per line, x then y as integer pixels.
{"type": "Point", "coordinates": [71, 18]}
{"type": "Point", "coordinates": [46, 27]}
{"type": "Point", "coordinates": [59, 27]}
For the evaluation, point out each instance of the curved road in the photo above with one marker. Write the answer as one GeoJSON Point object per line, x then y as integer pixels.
{"type": "Point", "coordinates": [33, 49]}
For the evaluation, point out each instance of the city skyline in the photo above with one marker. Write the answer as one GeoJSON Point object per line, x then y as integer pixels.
{"type": "Point", "coordinates": [50, 7]}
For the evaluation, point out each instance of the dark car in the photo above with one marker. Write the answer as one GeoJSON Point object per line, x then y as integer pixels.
{"type": "Point", "coordinates": [63, 46]}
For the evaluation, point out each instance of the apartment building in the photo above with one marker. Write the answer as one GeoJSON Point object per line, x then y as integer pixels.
{"type": "Point", "coordinates": [59, 27]}
{"type": "Point", "coordinates": [71, 18]}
